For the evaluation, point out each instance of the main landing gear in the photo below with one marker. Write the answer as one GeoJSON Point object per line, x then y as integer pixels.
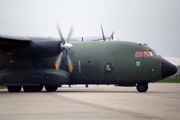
{"type": "Point", "coordinates": [31, 88]}
{"type": "Point", "coordinates": [142, 87]}
{"type": "Point", "coordinates": [14, 88]}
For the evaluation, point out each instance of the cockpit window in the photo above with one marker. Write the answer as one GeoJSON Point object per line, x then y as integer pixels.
{"type": "Point", "coordinates": [154, 52]}
{"type": "Point", "coordinates": [151, 53]}
{"type": "Point", "coordinates": [144, 53]}
{"type": "Point", "coordinates": [138, 54]}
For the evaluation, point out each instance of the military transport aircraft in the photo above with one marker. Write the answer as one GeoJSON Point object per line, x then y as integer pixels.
{"type": "Point", "coordinates": [34, 62]}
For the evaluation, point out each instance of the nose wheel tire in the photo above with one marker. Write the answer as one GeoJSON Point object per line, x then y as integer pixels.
{"type": "Point", "coordinates": [142, 87]}
{"type": "Point", "coordinates": [14, 88]}
{"type": "Point", "coordinates": [51, 88]}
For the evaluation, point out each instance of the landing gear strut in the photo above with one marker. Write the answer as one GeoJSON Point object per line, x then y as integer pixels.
{"type": "Point", "coordinates": [142, 87]}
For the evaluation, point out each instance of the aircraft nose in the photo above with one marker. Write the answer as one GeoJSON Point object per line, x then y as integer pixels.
{"type": "Point", "coordinates": [167, 69]}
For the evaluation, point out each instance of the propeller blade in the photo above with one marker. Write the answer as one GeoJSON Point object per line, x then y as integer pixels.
{"type": "Point", "coordinates": [64, 46]}
{"type": "Point", "coordinates": [70, 65]}
{"type": "Point", "coordinates": [112, 36]}
{"type": "Point", "coordinates": [59, 30]}
{"type": "Point", "coordinates": [103, 33]}
{"type": "Point", "coordinates": [70, 33]}
{"type": "Point", "coordinates": [58, 61]}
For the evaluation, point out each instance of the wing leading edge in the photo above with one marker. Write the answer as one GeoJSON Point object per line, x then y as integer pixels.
{"type": "Point", "coordinates": [6, 40]}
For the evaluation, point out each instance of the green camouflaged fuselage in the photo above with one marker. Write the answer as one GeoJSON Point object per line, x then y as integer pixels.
{"type": "Point", "coordinates": [103, 62]}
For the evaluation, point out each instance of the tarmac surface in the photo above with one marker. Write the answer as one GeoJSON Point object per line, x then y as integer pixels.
{"type": "Point", "coordinates": [160, 102]}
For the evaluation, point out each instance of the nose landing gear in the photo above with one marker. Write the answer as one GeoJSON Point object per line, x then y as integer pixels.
{"type": "Point", "coordinates": [142, 87]}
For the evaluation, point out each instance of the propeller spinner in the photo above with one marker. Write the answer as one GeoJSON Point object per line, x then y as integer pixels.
{"type": "Point", "coordinates": [65, 45]}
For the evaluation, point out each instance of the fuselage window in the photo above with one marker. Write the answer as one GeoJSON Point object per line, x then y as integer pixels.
{"type": "Point", "coordinates": [138, 54]}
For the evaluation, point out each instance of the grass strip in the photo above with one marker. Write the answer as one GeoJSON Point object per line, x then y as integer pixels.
{"type": "Point", "coordinates": [170, 80]}
{"type": "Point", "coordinates": [2, 87]}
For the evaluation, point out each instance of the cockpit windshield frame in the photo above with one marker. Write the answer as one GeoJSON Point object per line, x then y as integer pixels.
{"type": "Point", "coordinates": [145, 53]}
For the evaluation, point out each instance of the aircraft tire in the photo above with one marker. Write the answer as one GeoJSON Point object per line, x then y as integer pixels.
{"type": "Point", "coordinates": [32, 88]}
{"type": "Point", "coordinates": [14, 88]}
{"type": "Point", "coordinates": [51, 88]}
{"type": "Point", "coordinates": [142, 87]}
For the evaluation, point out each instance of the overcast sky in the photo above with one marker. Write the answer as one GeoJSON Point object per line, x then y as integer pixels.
{"type": "Point", "coordinates": [155, 22]}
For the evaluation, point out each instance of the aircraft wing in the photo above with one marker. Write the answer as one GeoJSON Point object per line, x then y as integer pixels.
{"type": "Point", "coordinates": [6, 40]}
{"type": "Point", "coordinates": [29, 46]}
{"type": "Point", "coordinates": [89, 38]}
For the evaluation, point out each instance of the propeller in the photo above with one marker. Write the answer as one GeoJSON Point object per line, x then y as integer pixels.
{"type": "Point", "coordinates": [102, 33]}
{"type": "Point", "coordinates": [65, 45]}
{"type": "Point", "coordinates": [111, 37]}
